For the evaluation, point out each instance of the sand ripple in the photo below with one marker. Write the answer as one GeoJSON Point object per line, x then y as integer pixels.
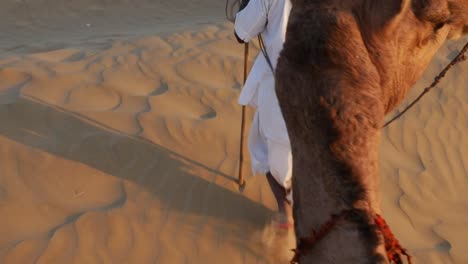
{"type": "Point", "coordinates": [124, 150]}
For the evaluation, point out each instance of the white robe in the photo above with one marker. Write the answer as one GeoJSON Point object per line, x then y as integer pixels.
{"type": "Point", "coordinates": [268, 140]}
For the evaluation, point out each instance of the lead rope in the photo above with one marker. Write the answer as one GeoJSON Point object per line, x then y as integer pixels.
{"type": "Point", "coordinates": [261, 43]}
{"type": "Point", "coordinates": [459, 58]}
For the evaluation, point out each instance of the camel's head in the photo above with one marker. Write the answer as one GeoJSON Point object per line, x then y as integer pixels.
{"type": "Point", "coordinates": [404, 35]}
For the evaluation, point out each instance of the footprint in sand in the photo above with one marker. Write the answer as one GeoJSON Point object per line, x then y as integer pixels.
{"type": "Point", "coordinates": [210, 115]}
{"type": "Point", "coordinates": [444, 246]}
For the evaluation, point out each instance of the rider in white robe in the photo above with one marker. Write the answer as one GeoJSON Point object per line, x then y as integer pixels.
{"type": "Point", "coordinates": [268, 139]}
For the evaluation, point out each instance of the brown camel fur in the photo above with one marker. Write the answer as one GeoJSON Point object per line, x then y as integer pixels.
{"type": "Point", "coordinates": [344, 66]}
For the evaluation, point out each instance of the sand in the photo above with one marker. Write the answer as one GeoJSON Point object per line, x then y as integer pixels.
{"type": "Point", "coordinates": [119, 141]}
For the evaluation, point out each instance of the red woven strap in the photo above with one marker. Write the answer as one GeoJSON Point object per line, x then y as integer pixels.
{"type": "Point", "coordinates": [392, 246]}
{"type": "Point", "coordinates": [307, 243]}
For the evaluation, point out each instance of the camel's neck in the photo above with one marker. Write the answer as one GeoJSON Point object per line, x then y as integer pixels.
{"type": "Point", "coordinates": [323, 187]}
{"type": "Point", "coordinates": [335, 165]}
{"type": "Point", "coordinates": [330, 97]}
{"type": "Point", "coordinates": [334, 132]}
{"type": "Point", "coordinates": [341, 242]}
{"type": "Point", "coordinates": [317, 197]}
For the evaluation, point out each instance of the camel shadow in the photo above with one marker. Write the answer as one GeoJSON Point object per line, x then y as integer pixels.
{"type": "Point", "coordinates": [166, 175]}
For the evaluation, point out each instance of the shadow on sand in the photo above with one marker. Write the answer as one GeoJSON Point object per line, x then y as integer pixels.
{"type": "Point", "coordinates": [165, 174]}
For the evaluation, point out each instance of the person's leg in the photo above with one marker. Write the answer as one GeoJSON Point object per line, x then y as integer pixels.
{"type": "Point", "coordinates": [266, 155]}
{"type": "Point", "coordinates": [279, 178]}
{"type": "Point", "coordinates": [280, 193]}
{"type": "Point", "coordinates": [258, 148]}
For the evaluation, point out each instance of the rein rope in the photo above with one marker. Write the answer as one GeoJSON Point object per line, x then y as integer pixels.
{"type": "Point", "coordinates": [392, 246]}
{"type": "Point", "coordinates": [306, 244]}
{"type": "Point", "coordinates": [459, 58]}
{"type": "Point", "coordinates": [261, 43]}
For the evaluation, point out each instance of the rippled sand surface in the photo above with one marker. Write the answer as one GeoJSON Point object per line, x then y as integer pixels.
{"type": "Point", "coordinates": [119, 142]}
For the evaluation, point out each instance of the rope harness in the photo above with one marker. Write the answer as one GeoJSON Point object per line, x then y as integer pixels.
{"type": "Point", "coordinates": [459, 58]}
{"type": "Point", "coordinates": [306, 244]}
{"type": "Point", "coordinates": [392, 246]}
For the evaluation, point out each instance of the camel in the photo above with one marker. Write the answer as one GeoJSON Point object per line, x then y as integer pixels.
{"type": "Point", "coordinates": [344, 66]}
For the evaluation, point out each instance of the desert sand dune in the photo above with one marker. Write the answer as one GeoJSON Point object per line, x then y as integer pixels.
{"type": "Point", "coordinates": [425, 168]}
{"type": "Point", "coordinates": [119, 141]}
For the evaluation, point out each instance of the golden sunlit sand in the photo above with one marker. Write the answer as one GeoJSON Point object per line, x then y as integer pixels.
{"type": "Point", "coordinates": [119, 142]}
